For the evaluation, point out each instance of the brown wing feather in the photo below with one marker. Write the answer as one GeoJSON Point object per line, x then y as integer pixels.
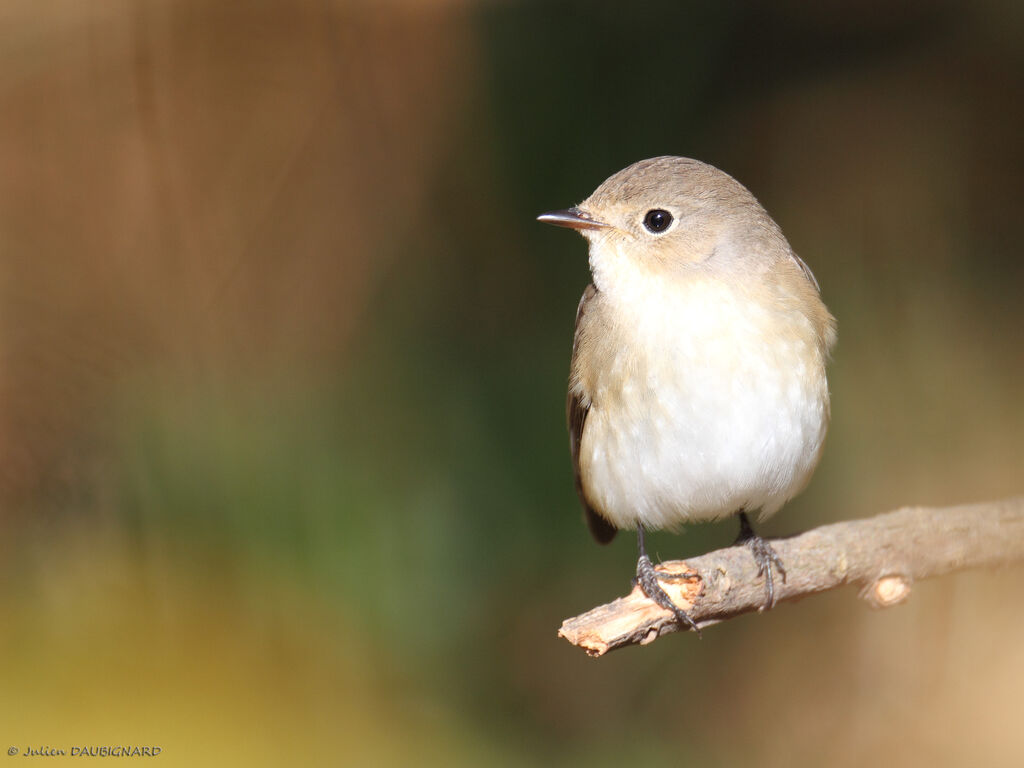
{"type": "Point", "coordinates": [806, 270]}
{"type": "Point", "coordinates": [601, 529]}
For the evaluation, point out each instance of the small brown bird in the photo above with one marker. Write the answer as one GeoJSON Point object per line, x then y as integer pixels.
{"type": "Point", "coordinates": [697, 387]}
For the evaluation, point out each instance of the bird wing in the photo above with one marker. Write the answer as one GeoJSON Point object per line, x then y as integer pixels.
{"type": "Point", "coordinates": [601, 529]}
{"type": "Point", "coordinates": [806, 270]}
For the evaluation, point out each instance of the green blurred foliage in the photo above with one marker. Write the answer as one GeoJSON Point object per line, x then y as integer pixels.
{"type": "Point", "coordinates": [283, 463]}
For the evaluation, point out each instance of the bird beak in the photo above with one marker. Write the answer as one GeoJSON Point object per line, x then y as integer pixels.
{"type": "Point", "coordinates": [573, 218]}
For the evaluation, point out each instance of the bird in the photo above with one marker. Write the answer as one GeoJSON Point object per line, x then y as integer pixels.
{"type": "Point", "coordinates": [697, 384]}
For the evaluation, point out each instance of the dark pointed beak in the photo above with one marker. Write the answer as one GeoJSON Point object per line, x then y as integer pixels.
{"type": "Point", "coordinates": [573, 218]}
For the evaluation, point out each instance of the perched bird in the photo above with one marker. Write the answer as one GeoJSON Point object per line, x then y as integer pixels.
{"type": "Point", "coordinates": [697, 386]}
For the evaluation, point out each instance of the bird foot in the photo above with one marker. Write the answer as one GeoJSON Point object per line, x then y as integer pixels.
{"type": "Point", "coordinates": [765, 557]}
{"type": "Point", "coordinates": [648, 579]}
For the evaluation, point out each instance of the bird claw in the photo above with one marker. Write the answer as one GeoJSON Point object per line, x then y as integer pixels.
{"type": "Point", "coordinates": [765, 557]}
{"type": "Point", "coordinates": [647, 578]}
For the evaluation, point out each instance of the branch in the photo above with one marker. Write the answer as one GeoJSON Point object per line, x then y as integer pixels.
{"type": "Point", "coordinates": [883, 554]}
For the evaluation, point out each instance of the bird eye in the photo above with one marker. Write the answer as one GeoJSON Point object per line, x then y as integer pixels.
{"type": "Point", "coordinates": [657, 220]}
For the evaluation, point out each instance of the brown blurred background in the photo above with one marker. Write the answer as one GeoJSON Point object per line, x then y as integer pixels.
{"type": "Point", "coordinates": [283, 469]}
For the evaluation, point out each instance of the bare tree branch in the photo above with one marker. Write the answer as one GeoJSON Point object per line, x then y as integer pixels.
{"type": "Point", "coordinates": [883, 554]}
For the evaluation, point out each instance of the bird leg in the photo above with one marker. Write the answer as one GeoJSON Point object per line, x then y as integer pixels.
{"type": "Point", "coordinates": [648, 578]}
{"type": "Point", "coordinates": [764, 556]}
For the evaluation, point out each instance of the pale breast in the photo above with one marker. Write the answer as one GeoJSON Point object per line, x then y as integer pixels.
{"type": "Point", "coordinates": [701, 404]}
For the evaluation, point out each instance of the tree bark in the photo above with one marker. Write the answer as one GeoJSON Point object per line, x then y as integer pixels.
{"type": "Point", "coordinates": [885, 555]}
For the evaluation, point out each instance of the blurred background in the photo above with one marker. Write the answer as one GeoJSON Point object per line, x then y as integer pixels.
{"type": "Point", "coordinates": [284, 476]}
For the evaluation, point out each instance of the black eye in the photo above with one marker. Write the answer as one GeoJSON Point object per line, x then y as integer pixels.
{"type": "Point", "coordinates": [657, 220]}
